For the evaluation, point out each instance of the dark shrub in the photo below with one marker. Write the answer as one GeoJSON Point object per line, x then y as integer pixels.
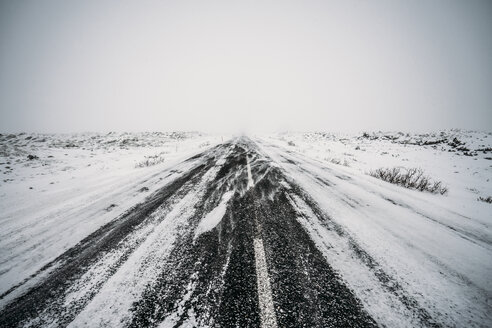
{"type": "Point", "coordinates": [413, 178]}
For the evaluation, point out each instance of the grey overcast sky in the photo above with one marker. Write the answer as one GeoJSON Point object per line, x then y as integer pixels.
{"type": "Point", "coordinates": [72, 66]}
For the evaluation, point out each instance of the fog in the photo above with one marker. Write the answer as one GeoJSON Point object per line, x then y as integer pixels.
{"type": "Point", "coordinates": [258, 66]}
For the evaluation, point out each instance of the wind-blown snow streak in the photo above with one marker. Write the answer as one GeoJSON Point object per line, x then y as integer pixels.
{"type": "Point", "coordinates": [213, 218]}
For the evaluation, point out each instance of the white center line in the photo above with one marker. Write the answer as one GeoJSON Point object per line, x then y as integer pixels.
{"type": "Point", "coordinates": [251, 183]}
{"type": "Point", "coordinates": [267, 312]}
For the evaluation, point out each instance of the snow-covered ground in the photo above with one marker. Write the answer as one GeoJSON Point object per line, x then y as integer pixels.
{"type": "Point", "coordinates": [57, 189]}
{"type": "Point", "coordinates": [462, 160]}
{"type": "Point", "coordinates": [438, 248]}
{"type": "Point", "coordinates": [412, 258]}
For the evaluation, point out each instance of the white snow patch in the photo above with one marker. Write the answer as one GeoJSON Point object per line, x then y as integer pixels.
{"type": "Point", "coordinates": [213, 218]}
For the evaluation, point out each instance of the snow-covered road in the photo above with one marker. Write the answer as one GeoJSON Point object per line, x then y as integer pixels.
{"type": "Point", "coordinates": [249, 234]}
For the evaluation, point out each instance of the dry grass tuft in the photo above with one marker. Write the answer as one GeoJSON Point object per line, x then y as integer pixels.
{"type": "Point", "coordinates": [413, 178]}
{"type": "Point", "coordinates": [485, 199]}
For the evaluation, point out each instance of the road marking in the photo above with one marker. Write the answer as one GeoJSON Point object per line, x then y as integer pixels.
{"type": "Point", "coordinates": [251, 183]}
{"type": "Point", "coordinates": [267, 312]}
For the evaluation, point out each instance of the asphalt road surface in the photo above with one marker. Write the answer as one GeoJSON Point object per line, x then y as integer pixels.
{"type": "Point", "coordinates": [221, 246]}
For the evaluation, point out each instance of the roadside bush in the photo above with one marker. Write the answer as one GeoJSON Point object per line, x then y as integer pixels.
{"type": "Point", "coordinates": [413, 178]}
{"type": "Point", "coordinates": [334, 160]}
{"type": "Point", "coordinates": [32, 157]}
{"type": "Point", "coordinates": [485, 199]}
{"type": "Point", "coordinates": [150, 161]}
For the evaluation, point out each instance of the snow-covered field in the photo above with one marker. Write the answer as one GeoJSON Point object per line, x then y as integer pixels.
{"type": "Point", "coordinates": [57, 189]}
{"type": "Point", "coordinates": [438, 247]}
{"type": "Point", "coordinates": [411, 258]}
{"type": "Point", "coordinates": [462, 160]}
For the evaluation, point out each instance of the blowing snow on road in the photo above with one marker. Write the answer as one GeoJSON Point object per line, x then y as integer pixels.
{"type": "Point", "coordinates": [250, 234]}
